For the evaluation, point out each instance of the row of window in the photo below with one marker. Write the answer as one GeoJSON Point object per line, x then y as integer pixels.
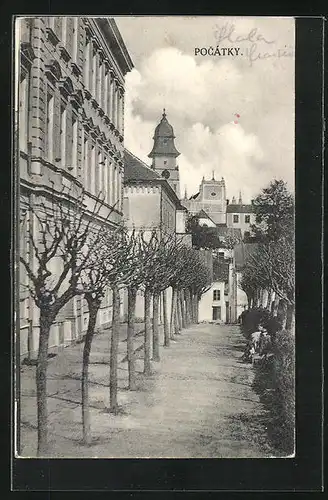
{"type": "Point", "coordinates": [68, 32]}
{"type": "Point", "coordinates": [98, 77]}
{"type": "Point", "coordinates": [236, 219]}
{"type": "Point", "coordinates": [63, 127]}
{"type": "Point", "coordinates": [100, 80]}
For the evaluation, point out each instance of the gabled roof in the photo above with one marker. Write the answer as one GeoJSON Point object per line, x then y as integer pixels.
{"type": "Point", "coordinates": [136, 170]}
{"type": "Point", "coordinates": [241, 209]}
{"type": "Point", "coordinates": [203, 215]}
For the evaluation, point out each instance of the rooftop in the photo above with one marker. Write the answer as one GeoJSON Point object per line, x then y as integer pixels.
{"type": "Point", "coordinates": [164, 139]}
{"type": "Point", "coordinates": [242, 208]}
{"type": "Point", "coordinates": [136, 170]}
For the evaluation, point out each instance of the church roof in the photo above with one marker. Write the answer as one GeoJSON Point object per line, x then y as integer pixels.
{"type": "Point", "coordinates": [136, 170]}
{"type": "Point", "coordinates": [241, 209]}
{"type": "Point", "coordinates": [164, 139]}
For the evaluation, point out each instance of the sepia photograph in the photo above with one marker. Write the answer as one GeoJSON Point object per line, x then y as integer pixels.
{"type": "Point", "coordinates": [154, 273]}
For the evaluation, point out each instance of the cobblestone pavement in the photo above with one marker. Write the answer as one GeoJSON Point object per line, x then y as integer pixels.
{"type": "Point", "coordinates": [198, 402]}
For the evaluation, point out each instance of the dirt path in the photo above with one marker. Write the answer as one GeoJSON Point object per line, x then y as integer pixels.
{"type": "Point", "coordinates": [199, 403]}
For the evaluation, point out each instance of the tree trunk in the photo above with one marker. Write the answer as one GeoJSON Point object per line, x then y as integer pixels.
{"type": "Point", "coordinates": [173, 312]}
{"type": "Point", "coordinates": [282, 313]}
{"type": "Point", "coordinates": [261, 297]}
{"type": "Point", "coordinates": [192, 310]}
{"type": "Point", "coordinates": [156, 297]}
{"type": "Point", "coordinates": [147, 346]}
{"type": "Point", "coordinates": [275, 305]}
{"type": "Point", "coordinates": [182, 308]}
{"type": "Point", "coordinates": [197, 308]}
{"type": "Point", "coordinates": [114, 350]}
{"type": "Point", "coordinates": [195, 303]}
{"type": "Point", "coordinates": [194, 307]}
{"type": "Point", "coordinates": [93, 306]}
{"type": "Point", "coordinates": [41, 383]}
{"type": "Point", "coordinates": [176, 315]}
{"type": "Point", "coordinates": [187, 295]}
{"type": "Point", "coordinates": [249, 301]}
{"type": "Point", "coordinates": [165, 321]}
{"type": "Point", "coordinates": [290, 317]}
{"type": "Point", "coordinates": [132, 298]}
{"type": "Point", "coordinates": [179, 313]}
{"type": "Point", "coordinates": [268, 306]}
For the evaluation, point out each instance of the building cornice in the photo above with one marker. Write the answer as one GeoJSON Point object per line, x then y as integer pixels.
{"type": "Point", "coordinates": [157, 182]}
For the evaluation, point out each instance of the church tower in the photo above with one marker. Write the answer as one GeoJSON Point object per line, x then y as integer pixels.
{"type": "Point", "coordinates": [164, 154]}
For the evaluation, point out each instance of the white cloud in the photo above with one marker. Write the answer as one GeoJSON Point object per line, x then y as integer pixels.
{"type": "Point", "coordinates": [201, 98]}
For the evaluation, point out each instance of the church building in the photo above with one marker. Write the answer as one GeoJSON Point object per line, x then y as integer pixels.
{"type": "Point", "coordinates": [164, 154]}
{"type": "Point", "coordinates": [210, 199]}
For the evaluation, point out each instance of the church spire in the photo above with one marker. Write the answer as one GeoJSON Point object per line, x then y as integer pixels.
{"type": "Point", "coordinates": [164, 154]}
{"type": "Point", "coordinates": [164, 139]}
{"type": "Point", "coordinates": [240, 199]}
{"type": "Point", "coordinates": [185, 194]}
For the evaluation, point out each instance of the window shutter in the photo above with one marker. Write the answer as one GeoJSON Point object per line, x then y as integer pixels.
{"type": "Point", "coordinates": [69, 137]}
{"type": "Point", "coordinates": [56, 137]}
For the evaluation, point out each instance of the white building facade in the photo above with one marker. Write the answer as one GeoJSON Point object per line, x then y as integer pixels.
{"type": "Point", "coordinates": [70, 132]}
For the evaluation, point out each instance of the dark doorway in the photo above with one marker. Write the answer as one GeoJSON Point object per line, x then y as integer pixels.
{"type": "Point", "coordinates": [216, 313]}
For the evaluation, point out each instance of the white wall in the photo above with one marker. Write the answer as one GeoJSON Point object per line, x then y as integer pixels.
{"type": "Point", "coordinates": [206, 303]}
{"type": "Point", "coordinates": [180, 221]}
{"type": "Point", "coordinates": [241, 297]}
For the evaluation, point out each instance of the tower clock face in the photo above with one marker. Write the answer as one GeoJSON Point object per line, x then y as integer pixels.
{"type": "Point", "coordinates": [165, 174]}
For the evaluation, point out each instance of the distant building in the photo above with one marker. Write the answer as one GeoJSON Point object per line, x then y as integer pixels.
{"type": "Point", "coordinates": [149, 200]}
{"type": "Point", "coordinates": [214, 304]}
{"type": "Point", "coordinates": [240, 216]}
{"type": "Point", "coordinates": [204, 219]}
{"type": "Point", "coordinates": [211, 198]}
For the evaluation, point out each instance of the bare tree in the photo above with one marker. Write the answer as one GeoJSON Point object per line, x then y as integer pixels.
{"type": "Point", "coordinates": [271, 268]}
{"type": "Point", "coordinates": [159, 257]}
{"type": "Point", "coordinates": [150, 248]}
{"type": "Point", "coordinates": [65, 237]}
{"type": "Point", "coordinates": [122, 270]}
{"type": "Point", "coordinates": [138, 261]}
{"type": "Point", "coordinates": [163, 270]}
{"type": "Point", "coordinates": [95, 278]}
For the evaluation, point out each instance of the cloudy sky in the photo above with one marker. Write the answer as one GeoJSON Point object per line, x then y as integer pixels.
{"type": "Point", "coordinates": [203, 94]}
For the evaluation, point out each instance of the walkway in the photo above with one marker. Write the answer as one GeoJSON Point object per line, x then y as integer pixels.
{"type": "Point", "coordinates": [199, 402]}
